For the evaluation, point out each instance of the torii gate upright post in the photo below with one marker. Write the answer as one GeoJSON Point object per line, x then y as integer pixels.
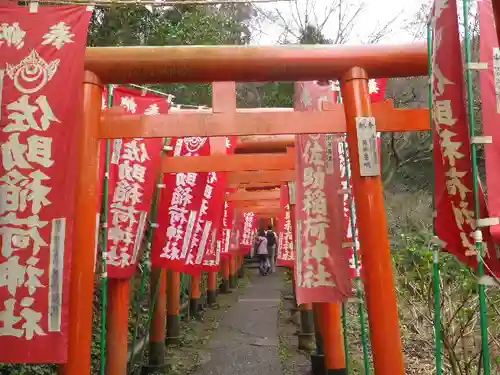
{"type": "Point", "coordinates": [223, 100]}
{"type": "Point", "coordinates": [373, 236]}
{"type": "Point", "coordinates": [83, 257]}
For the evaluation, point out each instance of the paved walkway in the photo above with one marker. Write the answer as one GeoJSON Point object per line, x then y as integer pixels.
{"type": "Point", "coordinates": [246, 341]}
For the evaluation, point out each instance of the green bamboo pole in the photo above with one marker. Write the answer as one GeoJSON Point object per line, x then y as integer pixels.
{"type": "Point", "coordinates": [346, 338]}
{"type": "Point", "coordinates": [153, 217]}
{"type": "Point", "coordinates": [436, 279]}
{"type": "Point", "coordinates": [483, 309]}
{"type": "Point", "coordinates": [104, 241]}
{"type": "Point", "coordinates": [359, 289]}
{"type": "Point", "coordinates": [344, 310]}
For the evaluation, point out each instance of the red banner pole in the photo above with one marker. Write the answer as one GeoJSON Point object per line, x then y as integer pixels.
{"type": "Point", "coordinates": [173, 307]}
{"type": "Point", "coordinates": [306, 334]}
{"type": "Point", "coordinates": [232, 272]}
{"type": "Point", "coordinates": [212, 288]}
{"type": "Point", "coordinates": [224, 287]}
{"type": "Point", "coordinates": [83, 257]}
{"type": "Point", "coordinates": [333, 341]}
{"type": "Point", "coordinates": [157, 330]}
{"type": "Point", "coordinates": [372, 223]}
{"type": "Point", "coordinates": [241, 267]}
{"type": "Point", "coordinates": [117, 324]}
{"type": "Point", "coordinates": [194, 303]}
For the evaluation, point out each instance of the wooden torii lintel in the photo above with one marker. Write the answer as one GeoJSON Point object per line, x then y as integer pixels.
{"type": "Point", "coordinates": [197, 64]}
{"type": "Point", "coordinates": [266, 212]}
{"type": "Point", "coordinates": [255, 122]}
{"type": "Point", "coordinates": [256, 185]}
{"type": "Point", "coordinates": [271, 178]}
{"type": "Point", "coordinates": [252, 205]}
{"type": "Point", "coordinates": [228, 163]}
{"type": "Point", "coordinates": [241, 196]}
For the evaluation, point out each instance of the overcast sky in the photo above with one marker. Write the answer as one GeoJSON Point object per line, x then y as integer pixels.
{"type": "Point", "coordinates": [375, 15]}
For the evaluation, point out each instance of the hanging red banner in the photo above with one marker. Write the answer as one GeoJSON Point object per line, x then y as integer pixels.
{"type": "Point", "coordinates": [133, 171]}
{"type": "Point", "coordinates": [226, 222]}
{"type": "Point", "coordinates": [490, 98]}
{"type": "Point", "coordinates": [285, 256]}
{"type": "Point", "coordinates": [226, 229]}
{"type": "Point", "coordinates": [322, 265]}
{"type": "Point", "coordinates": [215, 215]}
{"type": "Point", "coordinates": [180, 202]}
{"type": "Point", "coordinates": [41, 52]}
{"type": "Point", "coordinates": [234, 235]}
{"type": "Point", "coordinates": [248, 232]}
{"type": "Point", "coordinates": [202, 253]}
{"type": "Point", "coordinates": [455, 221]}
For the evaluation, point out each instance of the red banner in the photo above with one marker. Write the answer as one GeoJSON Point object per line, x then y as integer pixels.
{"type": "Point", "coordinates": [211, 258]}
{"type": "Point", "coordinates": [202, 250]}
{"type": "Point", "coordinates": [235, 233]}
{"type": "Point", "coordinates": [285, 256]}
{"type": "Point", "coordinates": [226, 223]}
{"type": "Point", "coordinates": [180, 203]}
{"type": "Point", "coordinates": [248, 227]}
{"type": "Point", "coordinates": [226, 228]}
{"type": "Point", "coordinates": [322, 265]}
{"type": "Point", "coordinates": [41, 53]}
{"type": "Point", "coordinates": [455, 221]}
{"type": "Point", "coordinates": [133, 171]}
{"type": "Point", "coordinates": [490, 98]}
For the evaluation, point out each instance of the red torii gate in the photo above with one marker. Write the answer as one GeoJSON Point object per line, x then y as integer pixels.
{"type": "Point", "coordinates": [235, 63]}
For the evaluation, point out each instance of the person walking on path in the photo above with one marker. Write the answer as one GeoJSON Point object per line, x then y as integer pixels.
{"type": "Point", "coordinates": [261, 250]}
{"type": "Point", "coordinates": [272, 241]}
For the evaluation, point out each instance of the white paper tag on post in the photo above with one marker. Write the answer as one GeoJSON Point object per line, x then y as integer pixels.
{"type": "Point", "coordinates": [291, 192]}
{"type": "Point", "coordinates": [367, 147]}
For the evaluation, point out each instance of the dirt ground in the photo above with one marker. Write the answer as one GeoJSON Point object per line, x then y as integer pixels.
{"type": "Point", "coordinates": [191, 353]}
{"type": "Point", "coordinates": [293, 361]}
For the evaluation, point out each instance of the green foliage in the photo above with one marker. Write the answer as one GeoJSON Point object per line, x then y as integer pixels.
{"type": "Point", "coordinates": [413, 265]}
{"type": "Point", "coordinates": [168, 26]}
{"type": "Point", "coordinates": [172, 26]}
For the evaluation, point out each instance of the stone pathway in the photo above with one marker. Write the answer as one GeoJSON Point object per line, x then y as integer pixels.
{"type": "Point", "coordinates": [246, 341]}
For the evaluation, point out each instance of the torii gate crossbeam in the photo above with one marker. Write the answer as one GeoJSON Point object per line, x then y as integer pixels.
{"type": "Point", "coordinates": [252, 63]}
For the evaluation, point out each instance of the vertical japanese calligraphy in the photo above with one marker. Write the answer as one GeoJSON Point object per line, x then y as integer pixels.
{"type": "Point", "coordinates": [349, 216]}
{"type": "Point", "coordinates": [455, 221]}
{"type": "Point", "coordinates": [216, 208]}
{"type": "Point", "coordinates": [40, 52]}
{"type": "Point", "coordinates": [180, 203]}
{"type": "Point", "coordinates": [248, 232]}
{"type": "Point", "coordinates": [225, 232]}
{"type": "Point", "coordinates": [322, 265]}
{"type": "Point", "coordinates": [226, 221]}
{"type": "Point", "coordinates": [132, 175]}
{"type": "Point", "coordinates": [490, 97]}
{"type": "Point", "coordinates": [285, 256]}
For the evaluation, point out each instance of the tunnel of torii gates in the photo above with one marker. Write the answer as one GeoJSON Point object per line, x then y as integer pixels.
{"type": "Point", "coordinates": [263, 162]}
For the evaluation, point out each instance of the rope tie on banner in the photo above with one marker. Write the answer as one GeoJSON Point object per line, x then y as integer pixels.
{"type": "Point", "coordinates": [487, 222]}
{"type": "Point", "coordinates": [33, 7]}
